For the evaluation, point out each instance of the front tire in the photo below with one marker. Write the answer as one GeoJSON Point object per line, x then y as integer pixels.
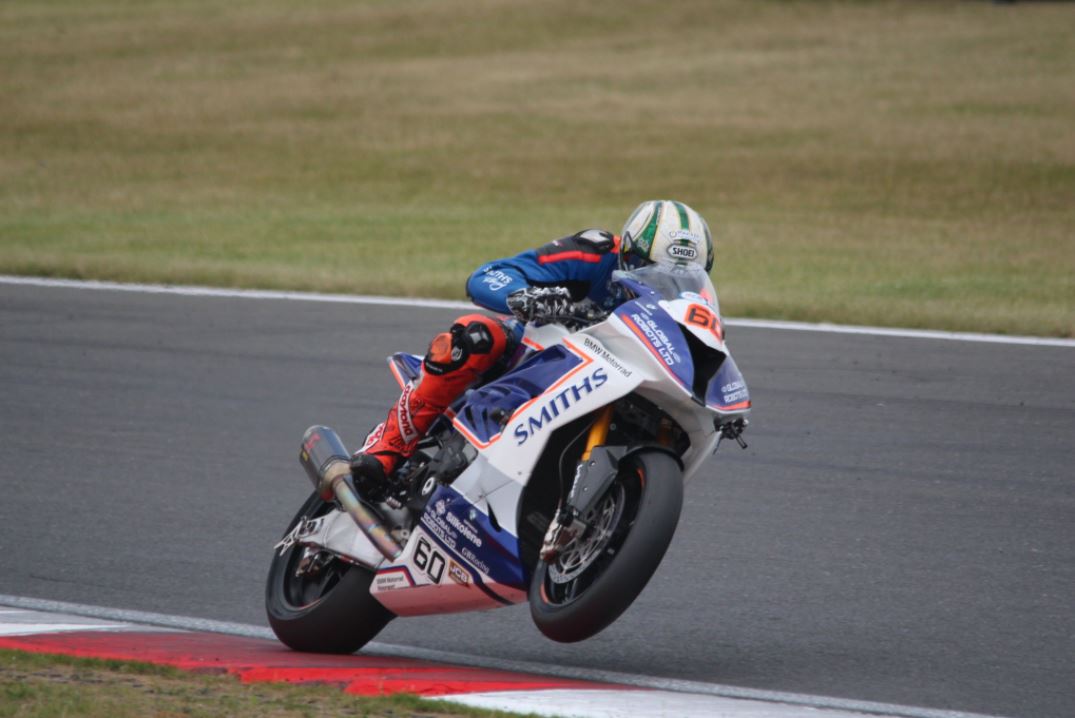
{"type": "Point", "coordinates": [597, 577]}
{"type": "Point", "coordinates": [332, 612]}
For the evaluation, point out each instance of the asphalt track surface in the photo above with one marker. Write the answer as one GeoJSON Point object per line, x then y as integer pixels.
{"type": "Point", "coordinates": [901, 529]}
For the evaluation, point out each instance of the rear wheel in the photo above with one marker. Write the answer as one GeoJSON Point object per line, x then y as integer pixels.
{"type": "Point", "coordinates": [599, 574]}
{"type": "Point", "coordinates": [317, 602]}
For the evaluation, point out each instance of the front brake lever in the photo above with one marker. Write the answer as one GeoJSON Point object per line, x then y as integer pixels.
{"type": "Point", "coordinates": [732, 430]}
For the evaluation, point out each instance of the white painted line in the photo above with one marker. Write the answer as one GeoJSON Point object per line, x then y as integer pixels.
{"type": "Point", "coordinates": [631, 704]}
{"type": "Point", "coordinates": [29, 629]}
{"type": "Point", "coordinates": [162, 620]}
{"type": "Point", "coordinates": [586, 674]}
{"type": "Point", "coordinates": [24, 622]}
{"type": "Point", "coordinates": [190, 291]}
{"type": "Point", "coordinates": [903, 333]}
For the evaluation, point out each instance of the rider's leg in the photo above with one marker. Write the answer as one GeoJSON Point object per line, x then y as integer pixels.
{"type": "Point", "coordinates": [456, 358]}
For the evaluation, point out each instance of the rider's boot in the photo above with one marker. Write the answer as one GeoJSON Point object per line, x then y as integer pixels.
{"type": "Point", "coordinates": [455, 360]}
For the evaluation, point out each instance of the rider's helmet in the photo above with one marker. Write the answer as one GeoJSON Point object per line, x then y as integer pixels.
{"type": "Point", "coordinates": [667, 232]}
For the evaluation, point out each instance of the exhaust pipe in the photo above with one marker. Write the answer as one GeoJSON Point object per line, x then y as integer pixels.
{"type": "Point", "coordinates": [328, 465]}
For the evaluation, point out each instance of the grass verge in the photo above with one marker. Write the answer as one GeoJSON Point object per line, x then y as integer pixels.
{"type": "Point", "coordinates": [43, 686]}
{"type": "Point", "coordinates": [897, 162]}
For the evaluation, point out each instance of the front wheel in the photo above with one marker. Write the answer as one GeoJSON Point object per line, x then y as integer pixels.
{"type": "Point", "coordinates": [318, 602]}
{"type": "Point", "coordinates": [599, 574]}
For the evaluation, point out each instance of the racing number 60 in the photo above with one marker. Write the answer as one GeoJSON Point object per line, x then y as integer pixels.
{"type": "Point", "coordinates": [429, 560]}
{"type": "Point", "coordinates": [702, 317]}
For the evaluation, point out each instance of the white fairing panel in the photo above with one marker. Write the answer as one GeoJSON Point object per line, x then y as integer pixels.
{"type": "Point", "coordinates": [336, 532]}
{"type": "Point", "coordinates": [599, 379]}
{"type": "Point", "coordinates": [663, 390]}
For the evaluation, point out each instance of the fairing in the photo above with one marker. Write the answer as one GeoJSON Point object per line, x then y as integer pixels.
{"type": "Point", "coordinates": [456, 560]}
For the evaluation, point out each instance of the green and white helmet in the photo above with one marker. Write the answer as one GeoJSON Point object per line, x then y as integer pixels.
{"type": "Point", "coordinates": [667, 232]}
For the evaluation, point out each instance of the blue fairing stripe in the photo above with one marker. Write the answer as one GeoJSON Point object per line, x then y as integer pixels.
{"type": "Point", "coordinates": [653, 350]}
{"type": "Point", "coordinates": [454, 522]}
{"type": "Point", "coordinates": [405, 368]}
{"type": "Point", "coordinates": [737, 397]}
{"type": "Point", "coordinates": [473, 434]}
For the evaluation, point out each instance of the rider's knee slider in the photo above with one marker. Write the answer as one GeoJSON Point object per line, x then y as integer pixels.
{"type": "Point", "coordinates": [474, 342]}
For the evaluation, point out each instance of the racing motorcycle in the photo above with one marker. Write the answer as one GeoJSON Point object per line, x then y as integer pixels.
{"type": "Point", "coordinates": [560, 482]}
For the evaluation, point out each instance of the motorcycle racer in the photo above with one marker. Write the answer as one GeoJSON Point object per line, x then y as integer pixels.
{"type": "Point", "coordinates": [538, 284]}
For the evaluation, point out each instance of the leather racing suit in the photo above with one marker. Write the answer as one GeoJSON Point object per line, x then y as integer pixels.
{"type": "Point", "coordinates": [476, 344]}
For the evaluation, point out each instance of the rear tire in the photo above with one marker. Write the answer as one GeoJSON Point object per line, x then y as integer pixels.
{"type": "Point", "coordinates": [574, 601]}
{"type": "Point", "coordinates": [334, 613]}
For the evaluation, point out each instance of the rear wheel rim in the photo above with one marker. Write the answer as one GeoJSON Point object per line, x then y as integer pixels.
{"type": "Point", "coordinates": [300, 592]}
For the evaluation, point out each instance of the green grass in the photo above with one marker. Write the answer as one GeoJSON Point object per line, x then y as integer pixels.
{"type": "Point", "coordinates": [902, 162]}
{"type": "Point", "coordinates": [52, 686]}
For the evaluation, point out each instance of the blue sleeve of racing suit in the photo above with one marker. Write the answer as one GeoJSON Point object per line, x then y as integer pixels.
{"type": "Point", "coordinates": [582, 262]}
{"type": "Point", "coordinates": [490, 286]}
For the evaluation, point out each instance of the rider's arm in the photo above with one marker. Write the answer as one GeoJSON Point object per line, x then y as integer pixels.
{"type": "Point", "coordinates": [580, 262]}
{"type": "Point", "coordinates": [490, 286]}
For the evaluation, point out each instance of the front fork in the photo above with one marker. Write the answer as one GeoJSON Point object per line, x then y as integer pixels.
{"type": "Point", "coordinates": [567, 525]}
{"type": "Point", "coordinates": [598, 431]}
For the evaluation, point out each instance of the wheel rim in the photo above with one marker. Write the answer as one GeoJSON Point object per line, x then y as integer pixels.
{"type": "Point", "coordinates": [300, 591]}
{"type": "Point", "coordinates": [580, 554]}
{"type": "Point", "coordinates": [584, 560]}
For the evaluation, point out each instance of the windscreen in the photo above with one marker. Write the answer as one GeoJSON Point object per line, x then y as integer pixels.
{"type": "Point", "coordinates": [675, 281]}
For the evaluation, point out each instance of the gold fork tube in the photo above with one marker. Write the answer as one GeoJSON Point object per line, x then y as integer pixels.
{"type": "Point", "coordinates": [598, 431]}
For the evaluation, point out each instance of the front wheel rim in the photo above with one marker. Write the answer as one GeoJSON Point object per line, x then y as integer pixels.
{"type": "Point", "coordinates": [614, 514]}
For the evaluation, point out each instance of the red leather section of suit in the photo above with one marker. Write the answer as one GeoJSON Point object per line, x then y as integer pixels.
{"type": "Point", "coordinates": [422, 402]}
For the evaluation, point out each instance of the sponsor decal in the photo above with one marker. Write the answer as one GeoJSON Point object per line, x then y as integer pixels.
{"type": "Point", "coordinates": [735, 396]}
{"type": "Point", "coordinates": [496, 279]}
{"type": "Point", "coordinates": [458, 574]}
{"type": "Point", "coordinates": [734, 391]}
{"type": "Point", "coordinates": [373, 437]}
{"type": "Point", "coordinates": [656, 337]}
{"type": "Point", "coordinates": [403, 416]}
{"type": "Point", "coordinates": [605, 355]}
{"type": "Point", "coordinates": [474, 560]}
{"type": "Point", "coordinates": [560, 402]}
{"type": "Point", "coordinates": [684, 234]}
{"type": "Point", "coordinates": [465, 529]}
{"type": "Point", "coordinates": [682, 252]}
{"type": "Point", "coordinates": [449, 528]}
{"type": "Point", "coordinates": [440, 528]}
{"type": "Point", "coordinates": [391, 580]}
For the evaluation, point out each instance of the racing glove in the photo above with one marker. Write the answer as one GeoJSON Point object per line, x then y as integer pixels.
{"type": "Point", "coordinates": [541, 304]}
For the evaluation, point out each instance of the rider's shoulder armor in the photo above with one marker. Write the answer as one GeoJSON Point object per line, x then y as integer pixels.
{"type": "Point", "coordinates": [589, 245]}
